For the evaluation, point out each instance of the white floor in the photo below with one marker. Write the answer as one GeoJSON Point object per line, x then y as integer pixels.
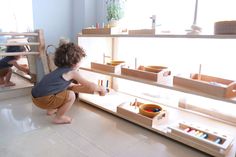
{"type": "Point", "coordinates": [26, 131]}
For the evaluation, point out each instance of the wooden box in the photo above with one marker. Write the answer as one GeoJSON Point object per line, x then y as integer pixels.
{"type": "Point", "coordinates": [142, 32]}
{"type": "Point", "coordinates": [147, 75]}
{"type": "Point", "coordinates": [112, 30]}
{"type": "Point", "coordinates": [207, 84]}
{"type": "Point", "coordinates": [131, 113]}
{"type": "Point", "coordinates": [225, 27]}
{"type": "Point", "coordinates": [105, 67]}
{"type": "Point", "coordinates": [200, 138]}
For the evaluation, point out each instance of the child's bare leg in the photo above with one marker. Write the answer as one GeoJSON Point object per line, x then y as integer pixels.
{"type": "Point", "coordinates": [3, 73]}
{"type": "Point", "coordinates": [51, 111]}
{"type": "Point", "coordinates": [8, 77]}
{"type": "Point", "coordinates": [2, 82]}
{"type": "Point", "coordinates": [60, 118]}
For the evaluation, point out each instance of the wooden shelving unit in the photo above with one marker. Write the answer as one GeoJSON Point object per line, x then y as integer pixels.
{"type": "Point", "coordinates": [118, 106]}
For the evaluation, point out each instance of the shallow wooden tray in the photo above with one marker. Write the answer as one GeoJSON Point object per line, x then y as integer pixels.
{"type": "Point", "coordinates": [147, 75]}
{"type": "Point", "coordinates": [177, 131]}
{"type": "Point", "coordinates": [207, 84]}
{"type": "Point", "coordinates": [105, 67]}
{"type": "Point", "coordinates": [131, 113]}
{"type": "Point", "coordinates": [112, 30]}
{"type": "Point", "coordinates": [142, 32]}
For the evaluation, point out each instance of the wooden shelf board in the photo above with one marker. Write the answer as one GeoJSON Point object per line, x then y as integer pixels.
{"type": "Point", "coordinates": [162, 36]}
{"type": "Point", "coordinates": [167, 85]}
{"type": "Point", "coordinates": [107, 105]}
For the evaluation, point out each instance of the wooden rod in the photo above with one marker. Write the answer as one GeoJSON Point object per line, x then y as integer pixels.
{"type": "Point", "coordinates": [18, 34]}
{"type": "Point", "coordinates": [20, 44]}
{"type": "Point", "coordinates": [18, 53]}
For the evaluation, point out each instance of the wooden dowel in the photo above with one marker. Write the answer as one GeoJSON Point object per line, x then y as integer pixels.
{"type": "Point", "coordinates": [20, 44]}
{"type": "Point", "coordinates": [18, 34]}
{"type": "Point", "coordinates": [199, 72]}
{"type": "Point", "coordinates": [18, 53]}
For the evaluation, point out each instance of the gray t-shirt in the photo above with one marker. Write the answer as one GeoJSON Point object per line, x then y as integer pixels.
{"type": "Point", "coordinates": [51, 83]}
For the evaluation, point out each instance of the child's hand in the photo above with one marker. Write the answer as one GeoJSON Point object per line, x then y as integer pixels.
{"type": "Point", "coordinates": [102, 91]}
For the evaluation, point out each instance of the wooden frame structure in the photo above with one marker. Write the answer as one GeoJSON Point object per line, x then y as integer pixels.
{"type": "Point", "coordinates": [36, 42]}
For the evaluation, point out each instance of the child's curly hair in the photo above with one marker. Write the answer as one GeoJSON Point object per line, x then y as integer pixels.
{"type": "Point", "coordinates": [68, 54]}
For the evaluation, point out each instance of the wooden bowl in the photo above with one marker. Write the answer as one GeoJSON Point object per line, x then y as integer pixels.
{"type": "Point", "coordinates": [149, 110]}
{"type": "Point", "coordinates": [155, 69]}
{"type": "Point", "coordinates": [115, 62]}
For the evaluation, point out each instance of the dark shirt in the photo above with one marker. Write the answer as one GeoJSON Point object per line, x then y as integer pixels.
{"type": "Point", "coordinates": [4, 62]}
{"type": "Point", "coordinates": [51, 83]}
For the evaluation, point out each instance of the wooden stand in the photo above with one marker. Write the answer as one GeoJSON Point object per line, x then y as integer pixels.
{"type": "Point", "coordinates": [36, 46]}
{"type": "Point", "coordinates": [205, 140]}
{"type": "Point", "coordinates": [207, 84]}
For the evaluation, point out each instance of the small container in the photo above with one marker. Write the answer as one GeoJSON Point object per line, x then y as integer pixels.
{"type": "Point", "coordinates": [115, 62]}
{"type": "Point", "coordinates": [145, 109]}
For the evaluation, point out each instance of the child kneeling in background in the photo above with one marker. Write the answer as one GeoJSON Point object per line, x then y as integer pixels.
{"type": "Point", "coordinates": [6, 64]}
{"type": "Point", "coordinates": [56, 91]}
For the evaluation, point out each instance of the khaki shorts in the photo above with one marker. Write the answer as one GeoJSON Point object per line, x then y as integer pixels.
{"type": "Point", "coordinates": [51, 101]}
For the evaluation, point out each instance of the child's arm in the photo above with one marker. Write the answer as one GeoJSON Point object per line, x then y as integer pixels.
{"type": "Point", "coordinates": [85, 86]}
{"type": "Point", "coordinates": [20, 67]}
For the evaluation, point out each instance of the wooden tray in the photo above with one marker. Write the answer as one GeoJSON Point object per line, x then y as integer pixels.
{"type": "Point", "coordinates": [112, 30]}
{"type": "Point", "coordinates": [105, 67]}
{"type": "Point", "coordinates": [207, 84]}
{"type": "Point", "coordinates": [195, 139]}
{"type": "Point", "coordinates": [142, 32]}
{"type": "Point", "coordinates": [131, 113]}
{"type": "Point", "coordinates": [147, 75]}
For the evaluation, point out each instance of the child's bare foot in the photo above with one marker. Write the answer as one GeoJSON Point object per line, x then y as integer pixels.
{"type": "Point", "coordinates": [62, 120]}
{"type": "Point", "coordinates": [8, 84]}
{"type": "Point", "coordinates": [51, 111]}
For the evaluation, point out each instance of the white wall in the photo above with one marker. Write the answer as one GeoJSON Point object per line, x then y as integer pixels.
{"type": "Point", "coordinates": [65, 18]}
{"type": "Point", "coordinates": [54, 17]}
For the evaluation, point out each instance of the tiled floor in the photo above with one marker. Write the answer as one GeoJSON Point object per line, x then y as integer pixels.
{"type": "Point", "coordinates": [26, 131]}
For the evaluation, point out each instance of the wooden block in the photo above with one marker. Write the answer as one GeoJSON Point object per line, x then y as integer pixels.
{"type": "Point", "coordinates": [142, 32]}
{"type": "Point", "coordinates": [193, 138]}
{"type": "Point", "coordinates": [207, 84]}
{"type": "Point", "coordinates": [105, 67]}
{"type": "Point", "coordinates": [131, 113]}
{"type": "Point", "coordinates": [147, 75]}
{"type": "Point", "coordinates": [112, 30]}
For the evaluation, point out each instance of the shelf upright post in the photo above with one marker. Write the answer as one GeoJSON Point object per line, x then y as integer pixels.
{"type": "Point", "coordinates": [114, 53]}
